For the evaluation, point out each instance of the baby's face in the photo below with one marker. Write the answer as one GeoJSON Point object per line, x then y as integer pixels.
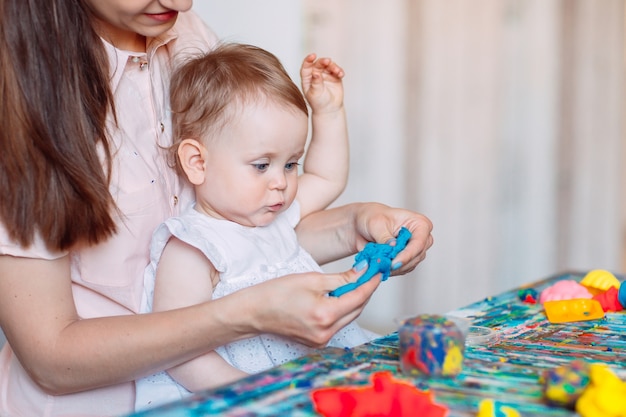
{"type": "Point", "coordinates": [251, 170]}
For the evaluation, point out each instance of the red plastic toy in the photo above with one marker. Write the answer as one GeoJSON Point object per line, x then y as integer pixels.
{"type": "Point", "coordinates": [386, 397]}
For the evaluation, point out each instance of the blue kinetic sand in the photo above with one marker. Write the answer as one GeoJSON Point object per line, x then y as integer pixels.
{"type": "Point", "coordinates": [378, 257]}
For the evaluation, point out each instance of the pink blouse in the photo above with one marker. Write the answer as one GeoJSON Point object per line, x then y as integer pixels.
{"type": "Point", "coordinates": [107, 279]}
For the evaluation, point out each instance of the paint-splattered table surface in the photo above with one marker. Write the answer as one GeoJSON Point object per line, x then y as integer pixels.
{"type": "Point", "coordinates": [508, 370]}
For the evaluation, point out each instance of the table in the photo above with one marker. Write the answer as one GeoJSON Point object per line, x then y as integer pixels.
{"type": "Point", "coordinates": [508, 370]}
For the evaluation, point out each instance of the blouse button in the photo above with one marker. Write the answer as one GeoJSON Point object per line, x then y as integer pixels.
{"type": "Point", "coordinates": [175, 199]}
{"type": "Point", "coordinates": [162, 127]}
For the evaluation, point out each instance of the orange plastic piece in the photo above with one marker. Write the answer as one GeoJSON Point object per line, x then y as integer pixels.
{"type": "Point", "coordinates": [578, 309]}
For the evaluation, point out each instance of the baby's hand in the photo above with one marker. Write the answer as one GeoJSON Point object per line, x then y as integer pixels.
{"type": "Point", "coordinates": [321, 84]}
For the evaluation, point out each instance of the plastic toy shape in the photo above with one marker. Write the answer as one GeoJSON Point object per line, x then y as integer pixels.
{"type": "Point", "coordinates": [378, 257]}
{"type": "Point", "coordinates": [567, 289]}
{"type": "Point", "coordinates": [386, 397]}
{"type": "Point", "coordinates": [599, 280]}
{"type": "Point", "coordinates": [492, 408]}
{"type": "Point", "coordinates": [604, 397]}
{"type": "Point", "coordinates": [609, 300]}
{"type": "Point", "coordinates": [527, 295]}
{"type": "Point", "coordinates": [431, 345]}
{"type": "Point", "coordinates": [564, 384]}
{"type": "Point", "coordinates": [565, 311]}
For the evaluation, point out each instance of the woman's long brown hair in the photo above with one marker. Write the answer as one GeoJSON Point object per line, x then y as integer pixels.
{"type": "Point", "coordinates": [55, 97]}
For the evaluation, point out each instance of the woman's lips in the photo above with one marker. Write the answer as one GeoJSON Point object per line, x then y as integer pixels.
{"type": "Point", "coordinates": [163, 17]}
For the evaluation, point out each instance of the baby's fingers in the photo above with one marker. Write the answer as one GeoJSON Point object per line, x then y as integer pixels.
{"type": "Point", "coordinates": [328, 66]}
{"type": "Point", "coordinates": [308, 63]}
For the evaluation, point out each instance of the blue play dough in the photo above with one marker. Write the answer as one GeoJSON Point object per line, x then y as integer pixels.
{"type": "Point", "coordinates": [378, 257]}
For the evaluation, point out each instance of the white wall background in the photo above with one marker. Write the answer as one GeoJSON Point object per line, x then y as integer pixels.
{"type": "Point", "coordinates": [275, 25]}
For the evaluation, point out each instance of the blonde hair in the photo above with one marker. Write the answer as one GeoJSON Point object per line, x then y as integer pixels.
{"type": "Point", "coordinates": [205, 91]}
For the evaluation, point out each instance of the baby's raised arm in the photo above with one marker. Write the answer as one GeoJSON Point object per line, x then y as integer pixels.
{"type": "Point", "coordinates": [326, 164]}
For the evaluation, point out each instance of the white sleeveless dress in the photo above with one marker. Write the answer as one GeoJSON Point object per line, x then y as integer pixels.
{"type": "Point", "coordinates": [244, 256]}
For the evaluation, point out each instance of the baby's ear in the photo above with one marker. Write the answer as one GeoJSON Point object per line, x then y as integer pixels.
{"type": "Point", "coordinates": [191, 156]}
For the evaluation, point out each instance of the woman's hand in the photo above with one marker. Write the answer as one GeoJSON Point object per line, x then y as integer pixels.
{"type": "Point", "coordinates": [298, 306]}
{"type": "Point", "coordinates": [380, 223]}
{"type": "Point", "coordinates": [342, 231]}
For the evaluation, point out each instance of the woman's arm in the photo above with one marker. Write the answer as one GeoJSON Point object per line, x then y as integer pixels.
{"type": "Point", "coordinates": [64, 354]}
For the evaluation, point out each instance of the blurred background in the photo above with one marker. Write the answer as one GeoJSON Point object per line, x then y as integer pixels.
{"type": "Point", "coordinates": [501, 120]}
